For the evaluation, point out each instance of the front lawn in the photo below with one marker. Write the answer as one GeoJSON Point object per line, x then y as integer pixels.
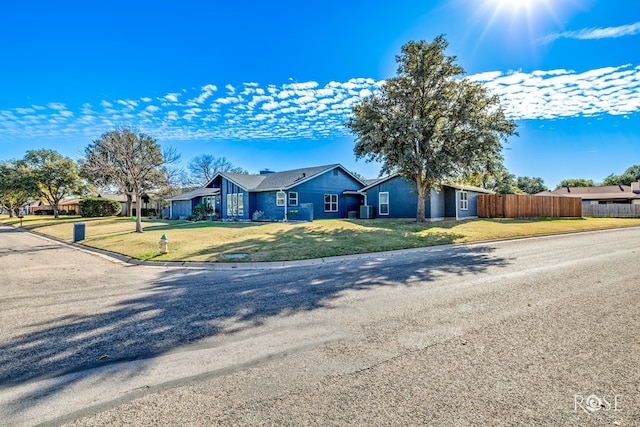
{"type": "Point", "coordinates": [255, 242]}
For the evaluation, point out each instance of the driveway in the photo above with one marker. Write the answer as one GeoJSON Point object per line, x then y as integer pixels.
{"type": "Point", "coordinates": [539, 331]}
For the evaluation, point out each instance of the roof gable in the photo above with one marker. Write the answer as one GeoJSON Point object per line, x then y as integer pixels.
{"type": "Point", "coordinates": [284, 180]}
{"type": "Point", "coordinates": [451, 185]}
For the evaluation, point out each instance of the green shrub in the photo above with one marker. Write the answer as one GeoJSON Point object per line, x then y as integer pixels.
{"type": "Point", "coordinates": [99, 207]}
{"type": "Point", "coordinates": [200, 212]}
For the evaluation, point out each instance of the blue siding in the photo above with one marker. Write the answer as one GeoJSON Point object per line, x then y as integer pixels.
{"type": "Point", "coordinates": [450, 201]}
{"type": "Point", "coordinates": [266, 202]}
{"type": "Point", "coordinates": [334, 181]}
{"type": "Point", "coordinates": [403, 198]}
{"type": "Point", "coordinates": [437, 203]}
{"type": "Point", "coordinates": [180, 208]}
{"type": "Point", "coordinates": [228, 187]}
{"type": "Point", "coordinates": [473, 206]}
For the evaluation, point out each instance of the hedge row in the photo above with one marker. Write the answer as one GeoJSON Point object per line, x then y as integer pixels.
{"type": "Point", "coordinates": [98, 207]}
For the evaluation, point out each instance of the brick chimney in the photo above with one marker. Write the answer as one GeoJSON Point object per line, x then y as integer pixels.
{"type": "Point", "coordinates": [635, 187]}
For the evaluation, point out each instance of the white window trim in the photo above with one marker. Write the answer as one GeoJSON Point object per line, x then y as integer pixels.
{"type": "Point", "coordinates": [380, 203]}
{"type": "Point", "coordinates": [331, 203]}
{"type": "Point", "coordinates": [295, 201]}
{"type": "Point", "coordinates": [464, 201]}
{"type": "Point", "coordinates": [240, 204]}
{"type": "Point", "coordinates": [280, 201]}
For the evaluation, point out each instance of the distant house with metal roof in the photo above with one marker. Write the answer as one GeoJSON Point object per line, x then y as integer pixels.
{"type": "Point", "coordinates": [607, 194]}
{"type": "Point", "coordinates": [307, 193]}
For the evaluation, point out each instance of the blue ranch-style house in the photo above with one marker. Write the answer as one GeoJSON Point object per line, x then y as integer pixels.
{"type": "Point", "coordinates": [395, 197]}
{"type": "Point", "coordinates": [321, 192]}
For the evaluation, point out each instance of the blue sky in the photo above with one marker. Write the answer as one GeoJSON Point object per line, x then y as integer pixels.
{"type": "Point", "coordinates": [270, 84]}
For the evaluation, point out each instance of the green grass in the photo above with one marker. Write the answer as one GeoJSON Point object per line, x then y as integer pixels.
{"type": "Point", "coordinates": [210, 241]}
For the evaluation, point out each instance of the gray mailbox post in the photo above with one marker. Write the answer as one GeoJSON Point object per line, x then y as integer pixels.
{"type": "Point", "coordinates": [78, 231]}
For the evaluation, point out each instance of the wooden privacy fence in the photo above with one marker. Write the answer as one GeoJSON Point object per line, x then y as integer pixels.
{"type": "Point", "coordinates": [526, 206]}
{"type": "Point", "coordinates": [618, 210]}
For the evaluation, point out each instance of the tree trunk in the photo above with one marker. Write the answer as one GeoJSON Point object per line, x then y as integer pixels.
{"type": "Point", "coordinates": [55, 209]}
{"type": "Point", "coordinates": [138, 213]}
{"type": "Point", "coordinates": [422, 199]}
{"type": "Point", "coordinates": [129, 205]}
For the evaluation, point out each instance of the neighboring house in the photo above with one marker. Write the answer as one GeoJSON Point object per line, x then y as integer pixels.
{"type": "Point", "coordinates": [600, 195]}
{"type": "Point", "coordinates": [181, 206]}
{"type": "Point", "coordinates": [70, 204]}
{"type": "Point", "coordinates": [395, 197]}
{"type": "Point", "coordinates": [148, 207]}
{"type": "Point", "coordinates": [320, 192]}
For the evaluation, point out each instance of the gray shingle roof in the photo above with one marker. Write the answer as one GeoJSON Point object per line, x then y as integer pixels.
{"type": "Point", "coordinates": [278, 180]}
{"type": "Point", "coordinates": [198, 192]}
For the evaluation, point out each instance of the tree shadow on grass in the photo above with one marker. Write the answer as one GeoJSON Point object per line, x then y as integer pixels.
{"type": "Point", "coordinates": [307, 243]}
{"type": "Point", "coordinates": [187, 306]}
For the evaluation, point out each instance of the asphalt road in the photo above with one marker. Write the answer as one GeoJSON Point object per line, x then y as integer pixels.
{"type": "Point", "coordinates": [539, 331]}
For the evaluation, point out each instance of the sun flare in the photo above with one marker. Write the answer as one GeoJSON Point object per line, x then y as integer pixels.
{"type": "Point", "coordinates": [515, 8]}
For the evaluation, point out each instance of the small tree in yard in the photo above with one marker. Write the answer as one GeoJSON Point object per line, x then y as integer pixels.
{"type": "Point", "coordinates": [429, 125]}
{"type": "Point", "coordinates": [127, 159]}
{"type": "Point", "coordinates": [56, 176]}
{"type": "Point", "coordinates": [17, 186]}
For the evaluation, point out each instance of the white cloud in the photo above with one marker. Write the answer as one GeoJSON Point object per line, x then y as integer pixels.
{"type": "Point", "coordinates": [172, 97]}
{"type": "Point", "coordinates": [57, 106]}
{"type": "Point", "coordinates": [313, 110]}
{"type": "Point", "coordinates": [128, 103]}
{"type": "Point", "coordinates": [597, 33]}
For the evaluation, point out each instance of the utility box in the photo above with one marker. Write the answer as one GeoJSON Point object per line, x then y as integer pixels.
{"type": "Point", "coordinates": [367, 212]}
{"type": "Point", "coordinates": [78, 231]}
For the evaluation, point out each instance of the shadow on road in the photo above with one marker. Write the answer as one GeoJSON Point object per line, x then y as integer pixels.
{"type": "Point", "coordinates": [186, 306]}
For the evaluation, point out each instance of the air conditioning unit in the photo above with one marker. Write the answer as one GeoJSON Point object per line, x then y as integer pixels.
{"type": "Point", "coordinates": [367, 212]}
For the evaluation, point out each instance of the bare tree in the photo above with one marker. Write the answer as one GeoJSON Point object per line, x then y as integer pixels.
{"type": "Point", "coordinates": [204, 167]}
{"type": "Point", "coordinates": [128, 159]}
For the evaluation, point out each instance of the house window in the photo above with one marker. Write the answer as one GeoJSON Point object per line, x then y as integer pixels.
{"type": "Point", "coordinates": [464, 201]}
{"type": "Point", "coordinates": [235, 204]}
{"type": "Point", "coordinates": [293, 198]}
{"type": "Point", "coordinates": [331, 203]}
{"type": "Point", "coordinates": [240, 204]}
{"type": "Point", "coordinates": [280, 198]}
{"type": "Point", "coordinates": [383, 201]}
{"type": "Point", "coordinates": [210, 203]}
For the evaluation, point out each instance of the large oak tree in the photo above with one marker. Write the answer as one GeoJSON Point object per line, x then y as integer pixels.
{"type": "Point", "coordinates": [428, 123]}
